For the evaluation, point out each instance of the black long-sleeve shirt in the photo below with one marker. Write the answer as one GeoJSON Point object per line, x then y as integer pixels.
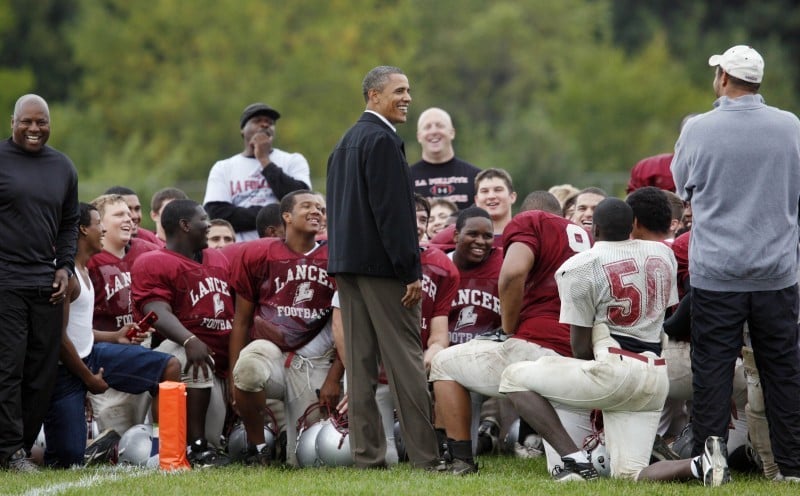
{"type": "Point", "coordinates": [38, 215]}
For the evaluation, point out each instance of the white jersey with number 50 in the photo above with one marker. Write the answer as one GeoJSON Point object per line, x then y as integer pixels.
{"type": "Point", "coordinates": [627, 285]}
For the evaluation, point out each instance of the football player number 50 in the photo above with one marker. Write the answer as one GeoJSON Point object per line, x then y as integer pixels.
{"type": "Point", "coordinates": [633, 300]}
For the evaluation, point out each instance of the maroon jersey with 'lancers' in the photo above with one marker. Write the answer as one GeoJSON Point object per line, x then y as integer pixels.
{"type": "Point", "coordinates": [440, 281]}
{"type": "Point", "coordinates": [476, 307]}
{"type": "Point", "coordinates": [111, 278]}
{"type": "Point", "coordinates": [291, 291]}
{"type": "Point", "coordinates": [553, 240]}
{"type": "Point", "coordinates": [198, 294]}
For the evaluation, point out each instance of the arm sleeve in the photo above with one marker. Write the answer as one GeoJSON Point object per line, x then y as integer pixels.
{"type": "Point", "coordinates": [680, 169]}
{"type": "Point", "coordinates": [67, 237]}
{"type": "Point", "coordinates": [296, 176]}
{"type": "Point", "coordinates": [447, 290]}
{"type": "Point", "coordinates": [392, 205]}
{"type": "Point", "coordinates": [150, 282]}
{"type": "Point", "coordinates": [575, 289]}
{"type": "Point", "coordinates": [241, 218]}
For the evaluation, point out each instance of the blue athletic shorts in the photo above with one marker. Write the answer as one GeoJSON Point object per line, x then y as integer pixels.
{"type": "Point", "coordinates": [128, 368]}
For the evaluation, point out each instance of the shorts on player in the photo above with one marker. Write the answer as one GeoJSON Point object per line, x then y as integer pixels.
{"type": "Point", "coordinates": [187, 377]}
{"type": "Point", "coordinates": [128, 368]}
{"type": "Point", "coordinates": [478, 365]}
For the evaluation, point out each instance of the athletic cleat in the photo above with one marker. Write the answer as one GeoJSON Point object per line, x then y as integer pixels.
{"type": "Point", "coordinates": [201, 456]}
{"type": "Point", "coordinates": [574, 471]}
{"type": "Point", "coordinates": [715, 462]}
{"type": "Point", "coordinates": [525, 451]}
{"type": "Point", "coordinates": [438, 466]}
{"type": "Point", "coordinates": [662, 452]}
{"type": "Point", "coordinates": [462, 467]}
{"type": "Point", "coordinates": [252, 456]}
{"type": "Point", "coordinates": [488, 441]}
{"type": "Point", "coordinates": [102, 448]}
{"type": "Point", "coordinates": [19, 462]}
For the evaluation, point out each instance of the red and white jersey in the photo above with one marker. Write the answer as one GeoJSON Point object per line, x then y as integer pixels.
{"type": "Point", "coordinates": [292, 291]}
{"type": "Point", "coordinates": [198, 293]}
{"type": "Point", "coordinates": [440, 281]}
{"type": "Point", "coordinates": [111, 278]}
{"type": "Point", "coordinates": [627, 285]}
{"type": "Point", "coordinates": [552, 240]}
{"type": "Point", "coordinates": [476, 307]}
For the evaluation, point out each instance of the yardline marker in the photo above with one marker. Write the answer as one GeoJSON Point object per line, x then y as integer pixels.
{"type": "Point", "coordinates": [116, 473]}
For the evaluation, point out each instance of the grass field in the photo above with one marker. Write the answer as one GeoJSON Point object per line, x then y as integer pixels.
{"type": "Point", "coordinates": [499, 476]}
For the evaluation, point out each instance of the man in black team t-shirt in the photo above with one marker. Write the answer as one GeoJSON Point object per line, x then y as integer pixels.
{"type": "Point", "coordinates": [440, 174]}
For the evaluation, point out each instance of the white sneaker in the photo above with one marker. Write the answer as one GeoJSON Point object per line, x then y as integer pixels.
{"type": "Point", "coordinates": [715, 462]}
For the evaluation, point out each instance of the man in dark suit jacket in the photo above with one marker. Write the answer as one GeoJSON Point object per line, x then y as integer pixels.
{"type": "Point", "coordinates": [374, 255]}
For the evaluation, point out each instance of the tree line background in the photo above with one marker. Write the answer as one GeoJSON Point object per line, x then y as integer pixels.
{"type": "Point", "coordinates": [148, 94]}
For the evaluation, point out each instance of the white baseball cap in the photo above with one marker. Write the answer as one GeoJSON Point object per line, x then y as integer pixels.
{"type": "Point", "coordinates": [741, 62]}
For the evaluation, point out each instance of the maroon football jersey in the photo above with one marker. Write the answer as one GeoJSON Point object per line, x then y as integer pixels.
{"type": "Point", "coordinates": [552, 239]}
{"type": "Point", "coordinates": [440, 280]}
{"type": "Point", "coordinates": [111, 278]}
{"type": "Point", "coordinates": [150, 237]}
{"type": "Point", "coordinates": [292, 291]}
{"type": "Point", "coordinates": [476, 306]}
{"type": "Point", "coordinates": [198, 294]}
{"type": "Point", "coordinates": [680, 247]}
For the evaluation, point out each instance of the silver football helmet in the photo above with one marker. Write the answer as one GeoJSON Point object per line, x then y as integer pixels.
{"type": "Point", "coordinates": [600, 459]}
{"type": "Point", "coordinates": [333, 443]}
{"type": "Point", "coordinates": [306, 449]}
{"type": "Point", "coordinates": [135, 445]}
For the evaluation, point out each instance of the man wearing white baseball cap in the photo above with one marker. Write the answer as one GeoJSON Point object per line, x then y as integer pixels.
{"type": "Point", "coordinates": [741, 62]}
{"type": "Point", "coordinates": [739, 165]}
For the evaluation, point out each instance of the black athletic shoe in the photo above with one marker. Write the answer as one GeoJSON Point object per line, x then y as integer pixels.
{"type": "Point", "coordinates": [102, 449]}
{"type": "Point", "coordinates": [662, 451]}
{"type": "Point", "coordinates": [461, 467]}
{"type": "Point", "coordinates": [201, 456]}
{"type": "Point", "coordinates": [574, 471]}
{"type": "Point", "coordinates": [253, 456]}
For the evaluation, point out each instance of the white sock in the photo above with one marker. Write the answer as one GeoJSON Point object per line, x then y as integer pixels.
{"type": "Point", "coordinates": [579, 456]}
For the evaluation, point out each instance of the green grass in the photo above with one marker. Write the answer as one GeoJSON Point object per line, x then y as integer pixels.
{"type": "Point", "coordinates": [498, 476]}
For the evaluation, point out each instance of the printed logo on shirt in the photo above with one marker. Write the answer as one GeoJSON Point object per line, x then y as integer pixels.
{"type": "Point", "coordinates": [442, 189]}
{"type": "Point", "coordinates": [303, 293]}
{"type": "Point", "coordinates": [466, 317]}
{"type": "Point", "coordinates": [117, 283]}
{"type": "Point", "coordinates": [206, 287]}
{"type": "Point", "coordinates": [304, 273]}
{"type": "Point", "coordinates": [219, 305]}
{"type": "Point", "coordinates": [477, 298]}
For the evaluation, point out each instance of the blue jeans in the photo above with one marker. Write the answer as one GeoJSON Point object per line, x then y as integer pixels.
{"type": "Point", "coordinates": [65, 424]}
{"type": "Point", "coordinates": [127, 368]}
